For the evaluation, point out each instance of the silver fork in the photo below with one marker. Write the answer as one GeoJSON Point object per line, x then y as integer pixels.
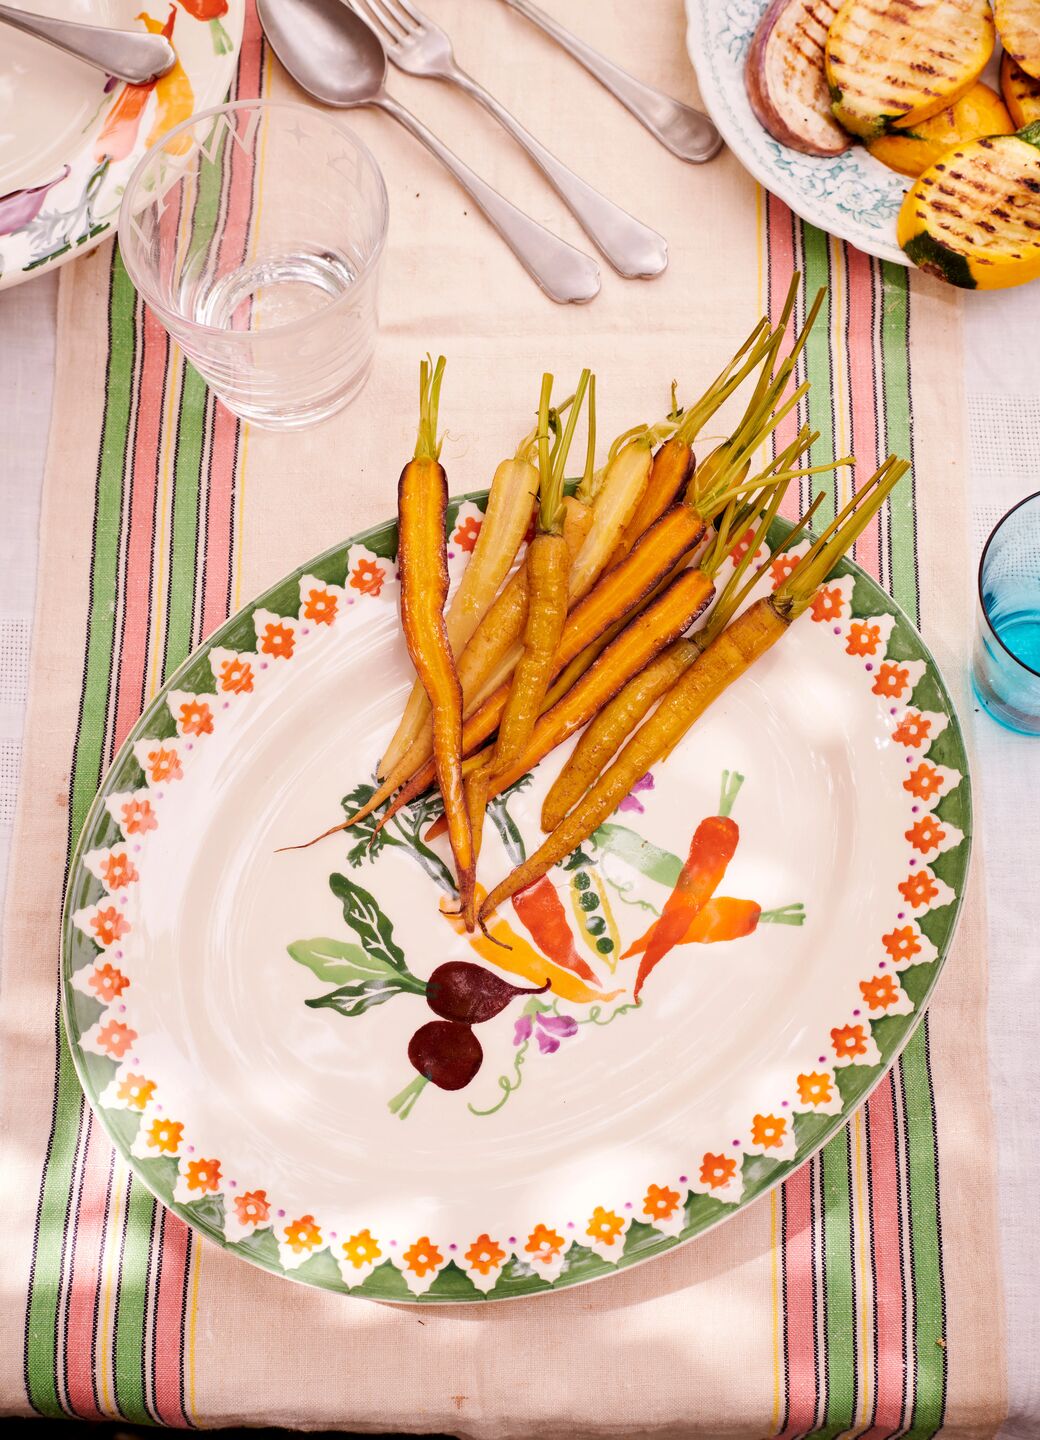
{"type": "Point", "coordinates": [420, 47]}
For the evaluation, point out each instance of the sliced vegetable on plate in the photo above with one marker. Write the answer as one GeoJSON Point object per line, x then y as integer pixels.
{"type": "Point", "coordinates": [895, 62]}
{"type": "Point", "coordinates": [973, 218]}
{"type": "Point", "coordinates": [786, 77]}
{"type": "Point", "coordinates": [1018, 22]}
{"type": "Point", "coordinates": [1021, 92]}
{"type": "Point", "coordinates": [979, 112]}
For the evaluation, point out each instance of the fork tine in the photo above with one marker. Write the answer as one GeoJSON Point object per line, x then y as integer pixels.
{"type": "Point", "coordinates": [417, 15]}
{"type": "Point", "coordinates": [379, 18]}
{"type": "Point", "coordinates": [410, 20]}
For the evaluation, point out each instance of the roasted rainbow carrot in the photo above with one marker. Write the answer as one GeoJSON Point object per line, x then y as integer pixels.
{"type": "Point", "coordinates": [547, 563]}
{"type": "Point", "coordinates": [616, 721]}
{"type": "Point", "coordinates": [730, 654]}
{"type": "Point", "coordinates": [422, 497]}
{"type": "Point", "coordinates": [508, 514]}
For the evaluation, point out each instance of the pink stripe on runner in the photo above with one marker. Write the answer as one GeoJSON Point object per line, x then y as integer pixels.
{"type": "Point", "coordinates": [137, 585]}
{"type": "Point", "coordinates": [864, 440]}
{"type": "Point", "coordinates": [85, 1280]}
{"type": "Point", "coordinates": [800, 1302]}
{"type": "Point", "coordinates": [224, 451]}
{"type": "Point", "coordinates": [890, 1307]}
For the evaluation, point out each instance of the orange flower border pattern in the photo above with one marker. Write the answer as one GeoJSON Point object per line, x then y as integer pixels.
{"type": "Point", "coordinates": [664, 1207]}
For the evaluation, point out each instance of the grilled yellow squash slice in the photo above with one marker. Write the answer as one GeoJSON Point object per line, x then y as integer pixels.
{"type": "Point", "coordinates": [895, 62]}
{"type": "Point", "coordinates": [1019, 24]}
{"type": "Point", "coordinates": [980, 111]}
{"type": "Point", "coordinates": [1021, 92]}
{"type": "Point", "coordinates": [973, 218]}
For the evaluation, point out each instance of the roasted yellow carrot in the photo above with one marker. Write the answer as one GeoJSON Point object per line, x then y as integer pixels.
{"type": "Point", "coordinates": [422, 496]}
{"type": "Point", "coordinates": [730, 654]}
{"type": "Point", "coordinates": [510, 503]}
{"type": "Point", "coordinates": [547, 563]}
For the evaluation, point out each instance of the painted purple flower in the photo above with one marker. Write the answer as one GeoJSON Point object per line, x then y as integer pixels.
{"type": "Point", "coordinates": [552, 1029]}
{"type": "Point", "coordinates": [630, 802]}
{"type": "Point", "coordinates": [522, 1030]}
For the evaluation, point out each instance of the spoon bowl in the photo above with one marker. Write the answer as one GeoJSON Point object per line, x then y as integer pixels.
{"type": "Point", "coordinates": [332, 54]}
{"type": "Point", "coordinates": [328, 50]}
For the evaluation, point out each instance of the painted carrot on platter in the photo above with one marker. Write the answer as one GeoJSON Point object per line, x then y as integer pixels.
{"type": "Point", "coordinates": [505, 948]}
{"type": "Point", "coordinates": [422, 497]}
{"type": "Point", "coordinates": [541, 911]}
{"type": "Point", "coordinates": [713, 846]}
{"type": "Point", "coordinates": [724, 917]}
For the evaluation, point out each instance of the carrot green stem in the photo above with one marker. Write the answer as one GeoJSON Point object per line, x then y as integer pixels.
{"type": "Point", "coordinates": [786, 915]}
{"type": "Point", "coordinates": [797, 591]}
{"type": "Point", "coordinates": [551, 466]}
{"type": "Point", "coordinates": [731, 783]}
{"type": "Point", "coordinates": [427, 445]}
{"type": "Point", "coordinates": [402, 1105]}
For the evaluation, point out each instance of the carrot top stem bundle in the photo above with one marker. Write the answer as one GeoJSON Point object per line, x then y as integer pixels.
{"type": "Point", "coordinates": [422, 497]}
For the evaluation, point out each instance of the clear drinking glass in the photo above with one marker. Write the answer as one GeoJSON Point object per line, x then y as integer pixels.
{"type": "Point", "coordinates": [255, 232]}
{"type": "Point", "coordinates": [1006, 667]}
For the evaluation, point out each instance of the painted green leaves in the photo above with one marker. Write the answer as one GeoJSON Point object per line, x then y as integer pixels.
{"type": "Point", "coordinates": [365, 974]}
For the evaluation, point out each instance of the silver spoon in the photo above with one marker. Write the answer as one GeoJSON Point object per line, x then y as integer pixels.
{"type": "Point", "coordinates": [129, 55]}
{"type": "Point", "coordinates": [334, 56]}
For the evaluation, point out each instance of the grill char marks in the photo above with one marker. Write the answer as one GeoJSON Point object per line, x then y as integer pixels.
{"type": "Point", "coordinates": [894, 62]}
{"type": "Point", "coordinates": [1019, 24]}
{"type": "Point", "coordinates": [786, 77]}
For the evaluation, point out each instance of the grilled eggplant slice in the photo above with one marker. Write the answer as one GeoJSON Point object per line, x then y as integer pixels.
{"type": "Point", "coordinates": [1021, 93]}
{"type": "Point", "coordinates": [973, 218]}
{"type": "Point", "coordinates": [786, 78]}
{"type": "Point", "coordinates": [895, 62]}
{"type": "Point", "coordinates": [1018, 22]}
{"type": "Point", "coordinates": [980, 111]}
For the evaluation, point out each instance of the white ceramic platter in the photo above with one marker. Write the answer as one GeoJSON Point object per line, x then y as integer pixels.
{"type": "Point", "coordinates": [70, 136]}
{"type": "Point", "coordinates": [213, 984]}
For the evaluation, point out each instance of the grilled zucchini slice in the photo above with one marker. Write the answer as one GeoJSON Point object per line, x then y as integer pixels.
{"type": "Point", "coordinates": [1019, 24]}
{"type": "Point", "coordinates": [786, 80]}
{"type": "Point", "coordinates": [895, 62]}
{"type": "Point", "coordinates": [973, 218]}
{"type": "Point", "coordinates": [980, 111]}
{"type": "Point", "coordinates": [1021, 92]}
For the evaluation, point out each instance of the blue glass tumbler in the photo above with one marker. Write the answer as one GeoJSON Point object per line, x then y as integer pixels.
{"type": "Point", "coordinates": [1006, 664]}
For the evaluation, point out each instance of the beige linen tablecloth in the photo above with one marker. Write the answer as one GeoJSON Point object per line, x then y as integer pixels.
{"type": "Point", "coordinates": [864, 1297]}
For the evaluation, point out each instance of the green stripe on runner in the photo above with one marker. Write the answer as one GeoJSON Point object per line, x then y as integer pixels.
{"type": "Point", "coordinates": [839, 1321]}
{"type": "Point", "coordinates": [128, 1346]}
{"type": "Point", "coordinates": [929, 1399]}
{"type": "Point", "coordinates": [187, 463]}
{"type": "Point", "coordinates": [818, 366]}
{"type": "Point", "coordinates": [41, 1324]}
{"type": "Point", "coordinates": [895, 373]}
{"type": "Point", "coordinates": [131, 1391]}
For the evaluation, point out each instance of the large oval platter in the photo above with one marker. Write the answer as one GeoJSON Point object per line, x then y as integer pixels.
{"type": "Point", "coordinates": [240, 1016]}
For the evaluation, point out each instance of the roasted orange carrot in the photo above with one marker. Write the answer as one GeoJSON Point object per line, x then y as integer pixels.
{"type": "Point", "coordinates": [671, 613]}
{"type": "Point", "coordinates": [713, 846]}
{"type": "Point", "coordinates": [506, 518]}
{"type": "Point", "coordinates": [422, 497]}
{"type": "Point", "coordinates": [726, 658]}
{"type": "Point", "coordinates": [547, 564]}
{"type": "Point", "coordinates": [618, 718]}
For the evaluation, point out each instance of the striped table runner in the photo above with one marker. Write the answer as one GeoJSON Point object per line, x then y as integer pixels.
{"type": "Point", "coordinates": [860, 1299]}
